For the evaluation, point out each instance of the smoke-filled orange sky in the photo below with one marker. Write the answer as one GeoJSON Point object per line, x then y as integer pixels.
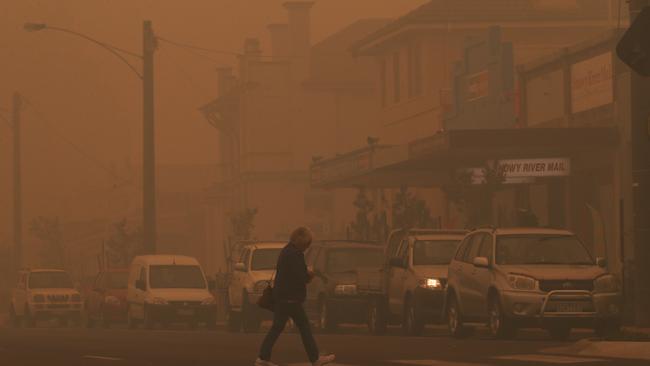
{"type": "Point", "coordinates": [84, 106]}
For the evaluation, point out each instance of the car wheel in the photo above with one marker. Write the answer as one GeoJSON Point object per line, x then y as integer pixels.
{"type": "Point", "coordinates": [607, 328]}
{"type": "Point", "coordinates": [89, 322]}
{"type": "Point", "coordinates": [376, 318]}
{"type": "Point", "coordinates": [251, 319]}
{"type": "Point", "coordinates": [499, 324]}
{"type": "Point", "coordinates": [234, 321]}
{"type": "Point", "coordinates": [559, 332]}
{"type": "Point", "coordinates": [28, 319]}
{"type": "Point", "coordinates": [14, 319]}
{"type": "Point", "coordinates": [148, 322]}
{"type": "Point", "coordinates": [104, 320]}
{"type": "Point", "coordinates": [325, 320]}
{"type": "Point", "coordinates": [455, 320]}
{"type": "Point", "coordinates": [412, 322]}
{"type": "Point", "coordinates": [132, 323]}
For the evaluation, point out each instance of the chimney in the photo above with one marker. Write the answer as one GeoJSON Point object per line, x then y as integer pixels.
{"type": "Point", "coordinates": [299, 27]}
{"type": "Point", "coordinates": [280, 42]}
{"type": "Point", "coordinates": [225, 80]}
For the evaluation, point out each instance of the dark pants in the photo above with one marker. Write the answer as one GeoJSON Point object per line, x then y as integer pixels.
{"type": "Point", "coordinates": [282, 313]}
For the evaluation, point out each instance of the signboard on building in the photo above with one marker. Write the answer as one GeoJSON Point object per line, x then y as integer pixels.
{"type": "Point", "coordinates": [478, 85]}
{"type": "Point", "coordinates": [592, 83]}
{"type": "Point", "coordinates": [518, 171]}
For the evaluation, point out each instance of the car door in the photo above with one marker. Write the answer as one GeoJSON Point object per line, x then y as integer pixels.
{"type": "Point", "coordinates": [483, 276]}
{"type": "Point", "coordinates": [236, 288]}
{"type": "Point", "coordinates": [478, 278]}
{"type": "Point", "coordinates": [315, 287]}
{"type": "Point", "coordinates": [464, 280]}
{"type": "Point", "coordinates": [456, 265]}
{"type": "Point", "coordinates": [138, 305]}
{"type": "Point", "coordinates": [397, 278]}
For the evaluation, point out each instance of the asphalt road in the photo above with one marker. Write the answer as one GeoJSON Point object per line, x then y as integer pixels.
{"type": "Point", "coordinates": [52, 346]}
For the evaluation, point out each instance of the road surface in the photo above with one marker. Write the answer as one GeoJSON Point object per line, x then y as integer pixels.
{"type": "Point", "coordinates": [51, 346]}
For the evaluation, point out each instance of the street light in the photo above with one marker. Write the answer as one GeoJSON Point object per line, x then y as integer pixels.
{"type": "Point", "coordinates": [148, 146]}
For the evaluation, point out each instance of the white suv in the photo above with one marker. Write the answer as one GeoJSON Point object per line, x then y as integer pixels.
{"type": "Point", "coordinates": [43, 294]}
{"type": "Point", "coordinates": [252, 274]}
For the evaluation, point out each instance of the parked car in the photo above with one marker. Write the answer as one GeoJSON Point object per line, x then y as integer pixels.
{"type": "Point", "coordinates": [252, 273]}
{"type": "Point", "coordinates": [410, 286]}
{"type": "Point", "coordinates": [106, 300]}
{"type": "Point", "coordinates": [523, 277]}
{"type": "Point", "coordinates": [169, 288]}
{"type": "Point", "coordinates": [333, 296]}
{"type": "Point", "coordinates": [44, 294]}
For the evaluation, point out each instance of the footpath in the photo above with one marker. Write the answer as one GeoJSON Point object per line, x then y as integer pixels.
{"type": "Point", "coordinates": [633, 344]}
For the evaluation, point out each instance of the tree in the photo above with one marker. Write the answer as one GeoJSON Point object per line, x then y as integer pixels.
{"type": "Point", "coordinates": [410, 211]}
{"type": "Point", "coordinates": [361, 226]}
{"type": "Point", "coordinates": [243, 223]}
{"type": "Point", "coordinates": [48, 231]}
{"type": "Point", "coordinates": [123, 244]}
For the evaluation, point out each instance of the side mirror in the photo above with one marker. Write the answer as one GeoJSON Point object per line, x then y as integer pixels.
{"type": "Point", "coordinates": [240, 267]}
{"type": "Point", "coordinates": [396, 262]}
{"type": "Point", "coordinates": [481, 262]}
{"type": "Point", "coordinates": [141, 285]}
{"type": "Point", "coordinates": [601, 262]}
{"type": "Point", "coordinates": [212, 285]}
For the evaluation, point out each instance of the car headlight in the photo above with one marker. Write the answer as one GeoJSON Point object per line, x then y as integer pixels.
{"type": "Point", "coordinates": [112, 300]}
{"type": "Point", "coordinates": [430, 283]}
{"type": "Point", "coordinates": [159, 301]}
{"type": "Point", "coordinates": [260, 286]}
{"type": "Point", "coordinates": [75, 298]}
{"type": "Point", "coordinates": [345, 289]}
{"type": "Point", "coordinates": [606, 283]}
{"type": "Point", "coordinates": [209, 301]}
{"type": "Point", "coordinates": [524, 283]}
{"type": "Point", "coordinates": [38, 298]}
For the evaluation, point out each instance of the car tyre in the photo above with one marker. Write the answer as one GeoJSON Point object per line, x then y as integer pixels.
{"type": "Point", "coordinates": [325, 320]}
{"type": "Point", "coordinates": [234, 321]}
{"type": "Point", "coordinates": [13, 318]}
{"type": "Point", "coordinates": [455, 320]}
{"type": "Point", "coordinates": [607, 328]}
{"type": "Point", "coordinates": [131, 322]}
{"type": "Point", "coordinates": [251, 318]}
{"type": "Point", "coordinates": [412, 322]}
{"type": "Point", "coordinates": [104, 320]}
{"type": "Point", "coordinates": [376, 317]}
{"type": "Point", "coordinates": [559, 332]}
{"type": "Point", "coordinates": [500, 326]}
{"type": "Point", "coordinates": [28, 319]}
{"type": "Point", "coordinates": [148, 322]}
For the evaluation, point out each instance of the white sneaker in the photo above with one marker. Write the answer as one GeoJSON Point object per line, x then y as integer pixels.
{"type": "Point", "coordinates": [324, 360]}
{"type": "Point", "coordinates": [261, 362]}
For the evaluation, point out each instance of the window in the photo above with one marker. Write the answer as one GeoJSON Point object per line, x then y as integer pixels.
{"type": "Point", "coordinates": [49, 280]}
{"type": "Point", "coordinates": [265, 259]}
{"type": "Point", "coordinates": [433, 252]}
{"type": "Point", "coordinates": [176, 276]}
{"type": "Point", "coordinates": [115, 280]}
{"type": "Point", "coordinates": [383, 69]}
{"type": "Point", "coordinates": [352, 259]}
{"type": "Point", "coordinates": [541, 249]}
{"type": "Point", "coordinates": [397, 81]}
{"type": "Point", "coordinates": [462, 247]}
{"type": "Point", "coordinates": [143, 275]}
{"type": "Point", "coordinates": [472, 250]}
{"type": "Point", "coordinates": [486, 247]}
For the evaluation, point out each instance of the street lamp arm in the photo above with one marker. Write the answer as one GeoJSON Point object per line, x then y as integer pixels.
{"type": "Point", "coordinates": [107, 47]}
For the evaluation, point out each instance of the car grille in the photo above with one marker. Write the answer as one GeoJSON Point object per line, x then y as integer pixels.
{"type": "Point", "coordinates": [58, 298]}
{"type": "Point", "coordinates": [184, 303]}
{"type": "Point", "coordinates": [566, 285]}
{"type": "Point", "coordinates": [58, 306]}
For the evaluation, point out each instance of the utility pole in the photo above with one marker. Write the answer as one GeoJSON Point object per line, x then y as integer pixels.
{"type": "Point", "coordinates": [640, 127]}
{"type": "Point", "coordinates": [18, 204]}
{"type": "Point", "coordinates": [148, 140]}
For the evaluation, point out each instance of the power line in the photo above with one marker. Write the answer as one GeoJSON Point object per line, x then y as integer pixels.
{"type": "Point", "coordinates": [197, 48]}
{"type": "Point", "coordinates": [78, 149]}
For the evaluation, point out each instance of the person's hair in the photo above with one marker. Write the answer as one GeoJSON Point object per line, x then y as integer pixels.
{"type": "Point", "coordinates": [301, 236]}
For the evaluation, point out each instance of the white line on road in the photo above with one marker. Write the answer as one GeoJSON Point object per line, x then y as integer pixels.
{"type": "Point", "coordinates": [549, 359]}
{"type": "Point", "coordinates": [104, 358]}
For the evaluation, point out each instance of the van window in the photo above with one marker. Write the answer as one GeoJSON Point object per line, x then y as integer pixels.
{"type": "Point", "coordinates": [472, 250]}
{"type": "Point", "coordinates": [175, 276]}
{"type": "Point", "coordinates": [433, 252]}
{"type": "Point", "coordinates": [265, 259]}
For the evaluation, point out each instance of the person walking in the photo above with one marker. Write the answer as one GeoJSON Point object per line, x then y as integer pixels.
{"type": "Point", "coordinates": [289, 293]}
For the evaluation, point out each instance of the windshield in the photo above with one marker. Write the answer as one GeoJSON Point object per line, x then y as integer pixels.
{"type": "Point", "coordinates": [541, 249]}
{"type": "Point", "coordinates": [433, 252]}
{"type": "Point", "coordinates": [176, 277]}
{"type": "Point", "coordinates": [265, 259]}
{"type": "Point", "coordinates": [349, 260]}
{"type": "Point", "coordinates": [50, 280]}
{"type": "Point", "coordinates": [117, 280]}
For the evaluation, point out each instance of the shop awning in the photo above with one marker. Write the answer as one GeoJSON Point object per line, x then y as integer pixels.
{"type": "Point", "coordinates": [428, 161]}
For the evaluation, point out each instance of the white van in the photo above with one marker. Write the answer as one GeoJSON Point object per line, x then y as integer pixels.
{"type": "Point", "coordinates": [169, 288]}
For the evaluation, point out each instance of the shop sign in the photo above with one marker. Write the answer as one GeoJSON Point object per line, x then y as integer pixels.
{"type": "Point", "coordinates": [592, 83]}
{"type": "Point", "coordinates": [478, 85]}
{"type": "Point", "coordinates": [524, 168]}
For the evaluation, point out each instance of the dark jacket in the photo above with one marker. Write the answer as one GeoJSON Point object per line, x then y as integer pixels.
{"type": "Point", "coordinates": [291, 278]}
